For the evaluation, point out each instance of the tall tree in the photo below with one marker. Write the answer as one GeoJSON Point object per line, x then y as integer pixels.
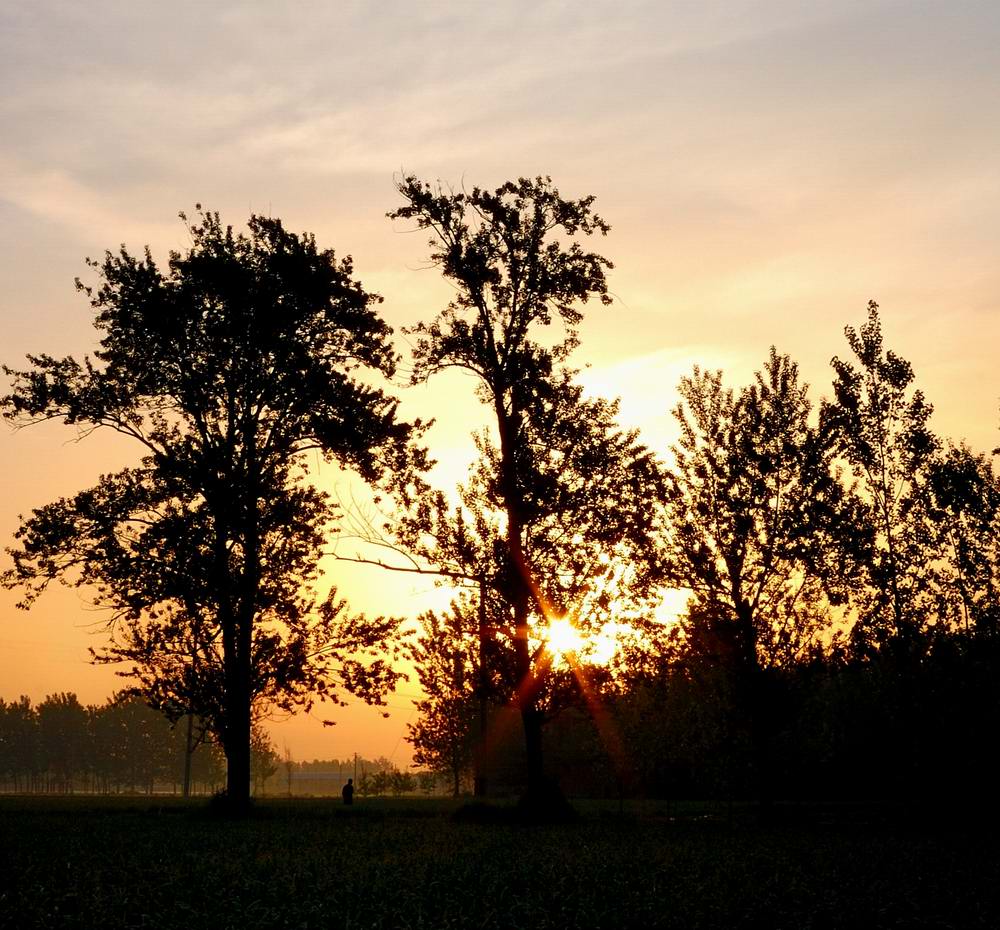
{"type": "Point", "coordinates": [882, 425]}
{"type": "Point", "coordinates": [559, 499]}
{"type": "Point", "coordinates": [246, 352]}
{"type": "Point", "coordinates": [756, 527]}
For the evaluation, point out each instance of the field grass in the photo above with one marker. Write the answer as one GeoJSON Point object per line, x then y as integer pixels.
{"type": "Point", "coordinates": [111, 863]}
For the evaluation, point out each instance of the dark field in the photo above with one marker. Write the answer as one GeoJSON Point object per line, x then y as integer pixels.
{"type": "Point", "coordinates": [80, 862]}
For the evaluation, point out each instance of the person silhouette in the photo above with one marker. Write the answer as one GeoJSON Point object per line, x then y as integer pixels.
{"type": "Point", "coordinates": [348, 791]}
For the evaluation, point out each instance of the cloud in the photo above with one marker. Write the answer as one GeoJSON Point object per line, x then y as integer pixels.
{"type": "Point", "coordinates": [56, 197]}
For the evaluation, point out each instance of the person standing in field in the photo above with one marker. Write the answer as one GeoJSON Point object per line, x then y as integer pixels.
{"type": "Point", "coordinates": [348, 791]}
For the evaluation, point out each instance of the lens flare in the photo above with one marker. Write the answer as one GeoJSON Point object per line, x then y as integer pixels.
{"type": "Point", "coordinates": [563, 638]}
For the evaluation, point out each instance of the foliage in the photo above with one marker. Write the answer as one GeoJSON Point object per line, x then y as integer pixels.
{"type": "Point", "coordinates": [20, 752]}
{"type": "Point", "coordinates": [559, 496]}
{"type": "Point", "coordinates": [756, 520]}
{"type": "Point", "coordinates": [446, 659]}
{"type": "Point", "coordinates": [246, 352]}
{"type": "Point", "coordinates": [263, 758]}
{"type": "Point", "coordinates": [121, 745]}
{"type": "Point", "coordinates": [883, 431]}
{"type": "Point", "coordinates": [964, 512]}
{"type": "Point", "coordinates": [62, 731]}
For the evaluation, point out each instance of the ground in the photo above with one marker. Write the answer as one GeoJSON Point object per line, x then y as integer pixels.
{"type": "Point", "coordinates": [115, 863]}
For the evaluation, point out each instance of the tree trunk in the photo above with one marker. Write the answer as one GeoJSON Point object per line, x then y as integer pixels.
{"type": "Point", "coordinates": [238, 776]}
{"type": "Point", "coordinates": [238, 607]}
{"type": "Point", "coordinates": [522, 594]}
{"type": "Point", "coordinates": [753, 694]}
{"type": "Point", "coordinates": [482, 685]}
{"type": "Point", "coordinates": [238, 724]}
{"type": "Point", "coordinates": [188, 752]}
{"type": "Point", "coordinates": [531, 718]}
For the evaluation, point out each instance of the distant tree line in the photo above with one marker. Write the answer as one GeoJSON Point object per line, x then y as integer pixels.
{"type": "Point", "coordinates": [122, 746]}
{"type": "Point", "coordinates": [372, 778]}
{"type": "Point", "coordinates": [396, 782]}
{"type": "Point", "coordinates": [840, 560]}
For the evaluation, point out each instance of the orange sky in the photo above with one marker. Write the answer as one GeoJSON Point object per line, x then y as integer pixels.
{"type": "Point", "coordinates": [766, 167]}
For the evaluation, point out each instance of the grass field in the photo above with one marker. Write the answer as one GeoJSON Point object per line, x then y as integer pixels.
{"type": "Point", "coordinates": [110, 863]}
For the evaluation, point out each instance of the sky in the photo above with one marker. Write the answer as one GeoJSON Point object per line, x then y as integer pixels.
{"type": "Point", "coordinates": [766, 167]}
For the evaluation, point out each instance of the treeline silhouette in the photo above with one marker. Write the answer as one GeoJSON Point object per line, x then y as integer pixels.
{"type": "Point", "coordinates": [122, 746]}
{"type": "Point", "coordinates": [60, 746]}
{"type": "Point", "coordinates": [841, 560]}
{"type": "Point", "coordinates": [838, 726]}
{"type": "Point", "coordinates": [372, 778]}
{"type": "Point", "coordinates": [840, 639]}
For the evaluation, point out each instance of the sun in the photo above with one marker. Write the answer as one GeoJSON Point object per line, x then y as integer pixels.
{"type": "Point", "coordinates": [567, 645]}
{"type": "Point", "coordinates": [562, 638]}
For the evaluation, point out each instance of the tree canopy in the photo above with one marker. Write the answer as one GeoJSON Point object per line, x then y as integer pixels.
{"type": "Point", "coordinates": [559, 497]}
{"type": "Point", "coordinates": [247, 351]}
{"type": "Point", "coordinates": [840, 561]}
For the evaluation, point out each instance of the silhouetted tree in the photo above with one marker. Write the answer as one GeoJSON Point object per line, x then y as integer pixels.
{"type": "Point", "coordinates": [62, 739]}
{"type": "Point", "coordinates": [559, 500]}
{"type": "Point", "coordinates": [19, 743]}
{"type": "Point", "coordinates": [426, 782]}
{"type": "Point", "coordinates": [883, 433]}
{"type": "Point", "coordinates": [248, 351]}
{"type": "Point", "coordinates": [264, 758]}
{"type": "Point", "coordinates": [208, 767]}
{"type": "Point", "coordinates": [757, 528]}
{"type": "Point", "coordinates": [137, 742]}
{"type": "Point", "coordinates": [402, 782]}
{"type": "Point", "coordinates": [964, 510]}
{"type": "Point", "coordinates": [445, 656]}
